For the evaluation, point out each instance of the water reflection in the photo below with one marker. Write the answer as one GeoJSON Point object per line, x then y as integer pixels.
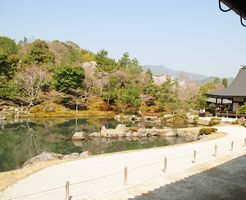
{"type": "Point", "coordinates": [21, 140]}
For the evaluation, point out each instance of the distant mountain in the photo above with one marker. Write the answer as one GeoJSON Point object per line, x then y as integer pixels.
{"type": "Point", "coordinates": [161, 69]}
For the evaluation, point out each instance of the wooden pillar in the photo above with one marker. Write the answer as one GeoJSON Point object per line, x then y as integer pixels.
{"type": "Point", "coordinates": [216, 104]}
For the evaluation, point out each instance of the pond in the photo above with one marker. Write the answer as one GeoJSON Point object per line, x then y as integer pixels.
{"type": "Point", "coordinates": [24, 139]}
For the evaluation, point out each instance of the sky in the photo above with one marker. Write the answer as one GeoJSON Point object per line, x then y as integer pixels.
{"type": "Point", "coordinates": [193, 36]}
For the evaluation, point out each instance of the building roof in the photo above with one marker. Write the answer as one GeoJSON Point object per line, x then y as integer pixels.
{"type": "Point", "coordinates": [236, 89]}
{"type": "Point", "coordinates": [238, 6]}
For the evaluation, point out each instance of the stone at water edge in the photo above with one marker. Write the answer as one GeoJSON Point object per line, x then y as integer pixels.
{"type": "Point", "coordinates": [121, 127]}
{"type": "Point", "coordinates": [95, 134]}
{"type": "Point", "coordinates": [72, 155]}
{"type": "Point", "coordinates": [79, 136]}
{"type": "Point", "coordinates": [44, 156]}
{"type": "Point", "coordinates": [84, 154]}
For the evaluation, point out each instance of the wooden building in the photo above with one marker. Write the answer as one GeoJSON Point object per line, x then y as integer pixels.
{"type": "Point", "coordinates": [235, 93]}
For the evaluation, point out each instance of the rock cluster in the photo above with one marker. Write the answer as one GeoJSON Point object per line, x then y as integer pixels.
{"type": "Point", "coordinates": [47, 156]}
{"type": "Point", "coordinates": [122, 131]}
{"type": "Point", "coordinates": [189, 134]}
{"type": "Point", "coordinates": [44, 156]}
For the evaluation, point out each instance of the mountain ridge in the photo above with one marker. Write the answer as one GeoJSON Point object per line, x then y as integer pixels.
{"type": "Point", "coordinates": [178, 74]}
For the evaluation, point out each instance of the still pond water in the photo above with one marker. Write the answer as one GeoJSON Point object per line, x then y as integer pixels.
{"type": "Point", "coordinates": [24, 139]}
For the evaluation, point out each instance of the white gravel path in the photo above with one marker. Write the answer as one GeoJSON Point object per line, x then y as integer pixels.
{"type": "Point", "coordinates": [93, 177]}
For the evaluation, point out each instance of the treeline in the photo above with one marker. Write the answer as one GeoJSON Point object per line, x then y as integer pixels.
{"type": "Point", "coordinates": [34, 72]}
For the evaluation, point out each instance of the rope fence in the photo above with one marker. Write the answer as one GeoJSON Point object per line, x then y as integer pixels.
{"type": "Point", "coordinates": [161, 167]}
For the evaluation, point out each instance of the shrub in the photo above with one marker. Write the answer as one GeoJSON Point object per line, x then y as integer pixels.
{"type": "Point", "coordinates": [213, 122]}
{"type": "Point", "coordinates": [207, 131]}
{"type": "Point", "coordinates": [69, 78]}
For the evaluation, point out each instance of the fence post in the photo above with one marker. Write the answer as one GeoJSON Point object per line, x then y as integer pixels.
{"type": "Point", "coordinates": [67, 191]}
{"type": "Point", "coordinates": [165, 165]}
{"type": "Point", "coordinates": [194, 157]}
{"type": "Point", "coordinates": [232, 144]}
{"type": "Point", "coordinates": [125, 175]}
{"type": "Point", "coordinates": [215, 150]}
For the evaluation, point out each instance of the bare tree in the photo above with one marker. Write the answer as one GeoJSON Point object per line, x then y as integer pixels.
{"type": "Point", "coordinates": [30, 80]}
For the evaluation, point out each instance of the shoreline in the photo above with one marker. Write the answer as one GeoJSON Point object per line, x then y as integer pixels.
{"type": "Point", "coordinates": [12, 176]}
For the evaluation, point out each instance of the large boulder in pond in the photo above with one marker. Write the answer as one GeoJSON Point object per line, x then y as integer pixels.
{"type": "Point", "coordinates": [79, 136]}
{"type": "Point", "coordinates": [44, 156]}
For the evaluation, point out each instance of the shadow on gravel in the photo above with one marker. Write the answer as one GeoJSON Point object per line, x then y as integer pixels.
{"type": "Point", "coordinates": [226, 181]}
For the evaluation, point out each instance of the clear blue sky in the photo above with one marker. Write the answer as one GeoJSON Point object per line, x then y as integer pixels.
{"type": "Point", "coordinates": [190, 35]}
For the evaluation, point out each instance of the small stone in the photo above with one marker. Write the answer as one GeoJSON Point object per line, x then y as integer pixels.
{"type": "Point", "coordinates": [79, 136]}
{"type": "Point", "coordinates": [84, 154]}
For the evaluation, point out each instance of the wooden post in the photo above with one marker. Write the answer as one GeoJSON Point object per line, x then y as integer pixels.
{"type": "Point", "coordinates": [194, 157]}
{"type": "Point", "coordinates": [125, 176]}
{"type": "Point", "coordinates": [215, 150]}
{"type": "Point", "coordinates": [232, 144]}
{"type": "Point", "coordinates": [67, 191]}
{"type": "Point", "coordinates": [165, 165]}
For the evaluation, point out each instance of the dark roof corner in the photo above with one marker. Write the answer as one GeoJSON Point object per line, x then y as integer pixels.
{"type": "Point", "coordinates": [236, 89]}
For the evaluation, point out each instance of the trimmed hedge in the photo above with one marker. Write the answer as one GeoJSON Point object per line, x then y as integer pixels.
{"type": "Point", "coordinates": [207, 131]}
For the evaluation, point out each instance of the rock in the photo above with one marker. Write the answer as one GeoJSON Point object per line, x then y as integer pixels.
{"type": "Point", "coordinates": [204, 122]}
{"type": "Point", "coordinates": [150, 118]}
{"type": "Point", "coordinates": [120, 127]}
{"type": "Point", "coordinates": [44, 156]}
{"type": "Point", "coordinates": [72, 155]}
{"type": "Point", "coordinates": [157, 132]}
{"type": "Point", "coordinates": [120, 131]}
{"type": "Point", "coordinates": [117, 117]}
{"type": "Point", "coordinates": [2, 117]}
{"type": "Point", "coordinates": [84, 154]}
{"type": "Point", "coordinates": [136, 134]}
{"type": "Point", "coordinates": [149, 100]}
{"type": "Point", "coordinates": [128, 133]}
{"type": "Point", "coordinates": [189, 134]}
{"type": "Point", "coordinates": [166, 116]}
{"type": "Point", "coordinates": [170, 132]}
{"type": "Point", "coordinates": [95, 134]}
{"type": "Point", "coordinates": [79, 136]}
{"type": "Point", "coordinates": [241, 120]}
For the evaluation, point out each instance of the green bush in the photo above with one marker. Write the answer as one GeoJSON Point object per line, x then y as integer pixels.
{"type": "Point", "coordinates": [207, 131]}
{"type": "Point", "coordinates": [68, 78]}
{"type": "Point", "coordinates": [242, 110]}
{"type": "Point", "coordinates": [213, 122]}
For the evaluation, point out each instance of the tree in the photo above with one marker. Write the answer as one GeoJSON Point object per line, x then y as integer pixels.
{"type": "Point", "coordinates": [8, 88]}
{"type": "Point", "coordinates": [217, 80]}
{"type": "Point", "coordinates": [72, 55]}
{"type": "Point", "coordinates": [104, 64]}
{"type": "Point", "coordinates": [69, 77]}
{"type": "Point", "coordinates": [242, 110]}
{"type": "Point", "coordinates": [167, 95]}
{"type": "Point", "coordinates": [8, 65]}
{"type": "Point", "coordinates": [225, 82]}
{"type": "Point", "coordinates": [86, 56]}
{"type": "Point", "coordinates": [129, 100]}
{"type": "Point", "coordinates": [30, 80]}
{"type": "Point", "coordinates": [39, 53]}
{"type": "Point", "coordinates": [124, 61]}
{"type": "Point", "coordinates": [201, 99]}
{"type": "Point", "coordinates": [7, 46]}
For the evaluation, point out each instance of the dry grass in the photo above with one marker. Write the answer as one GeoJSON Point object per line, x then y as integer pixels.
{"type": "Point", "coordinates": [96, 107]}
